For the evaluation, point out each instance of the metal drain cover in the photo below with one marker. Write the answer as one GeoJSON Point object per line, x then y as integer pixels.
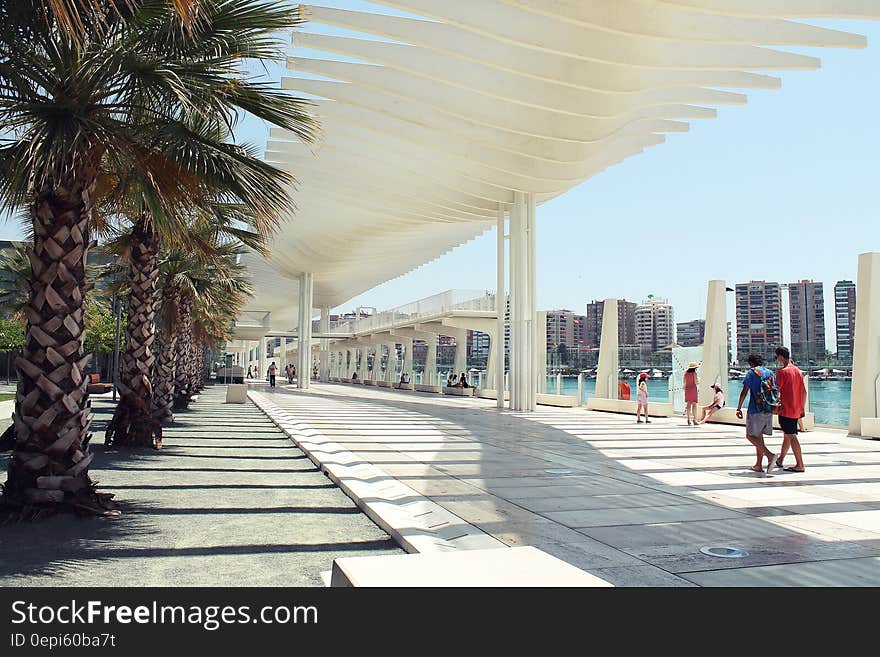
{"type": "Point", "coordinates": [558, 471]}
{"type": "Point", "coordinates": [724, 552]}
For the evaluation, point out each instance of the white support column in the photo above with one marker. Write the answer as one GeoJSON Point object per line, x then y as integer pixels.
{"type": "Point", "coordinates": [537, 335]}
{"type": "Point", "coordinates": [864, 408]}
{"type": "Point", "coordinates": [609, 357]}
{"type": "Point", "coordinates": [325, 345]}
{"type": "Point", "coordinates": [282, 359]}
{"type": "Point", "coordinates": [496, 346]}
{"type": "Point", "coordinates": [304, 369]}
{"type": "Point", "coordinates": [459, 363]}
{"type": "Point", "coordinates": [715, 348]}
{"type": "Point", "coordinates": [261, 359]}
{"type": "Point", "coordinates": [523, 352]}
{"type": "Point", "coordinates": [377, 362]}
{"type": "Point", "coordinates": [408, 356]}
{"type": "Point", "coordinates": [391, 365]}
{"type": "Point", "coordinates": [362, 364]}
{"type": "Point", "coordinates": [541, 348]}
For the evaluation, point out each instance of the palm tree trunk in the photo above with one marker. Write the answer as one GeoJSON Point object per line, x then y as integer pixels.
{"type": "Point", "coordinates": [163, 398]}
{"type": "Point", "coordinates": [183, 348]}
{"type": "Point", "coordinates": [133, 424]}
{"type": "Point", "coordinates": [48, 470]}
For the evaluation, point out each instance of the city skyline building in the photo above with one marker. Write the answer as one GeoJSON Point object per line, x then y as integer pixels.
{"type": "Point", "coordinates": [690, 334]}
{"type": "Point", "coordinates": [626, 322]}
{"type": "Point", "coordinates": [655, 324]}
{"type": "Point", "coordinates": [806, 320]}
{"type": "Point", "coordinates": [758, 319]}
{"type": "Point", "coordinates": [845, 318]}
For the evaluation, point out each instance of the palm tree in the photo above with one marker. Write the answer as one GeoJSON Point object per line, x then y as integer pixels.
{"type": "Point", "coordinates": [200, 297]}
{"type": "Point", "coordinates": [135, 88]}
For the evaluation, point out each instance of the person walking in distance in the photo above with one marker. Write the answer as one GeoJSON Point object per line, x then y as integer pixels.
{"type": "Point", "coordinates": [272, 371]}
{"type": "Point", "coordinates": [642, 402]}
{"type": "Point", "coordinates": [793, 395]}
{"type": "Point", "coordinates": [759, 422]}
{"type": "Point", "coordinates": [689, 383]}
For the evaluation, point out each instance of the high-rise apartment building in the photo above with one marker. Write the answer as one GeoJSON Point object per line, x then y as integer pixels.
{"type": "Point", "coordinates": [758, 319]}
{"type": "Point", "coordinates": [806, 304]}
{"type": "Point", "coordinates": [692, 333]}
{"type": "Point", "coordinates": [655, 324]}
{"type": "Point", "coordinates": [560, 328]}
{"type": "Point", "coordinates": [845, 318]}
{"type": "Point", "coordinates": [626, 322]}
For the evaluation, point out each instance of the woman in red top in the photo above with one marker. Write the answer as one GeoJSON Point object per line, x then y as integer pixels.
{"type": "Point", "coordinates": [690, 383]}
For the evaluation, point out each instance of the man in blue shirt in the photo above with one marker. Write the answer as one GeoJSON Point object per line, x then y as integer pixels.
{"type": "Point", "coordinates": [759, 423]}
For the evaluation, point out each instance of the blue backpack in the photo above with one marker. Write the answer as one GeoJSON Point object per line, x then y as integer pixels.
{"type": "Point", "coordinates": [769, 399]}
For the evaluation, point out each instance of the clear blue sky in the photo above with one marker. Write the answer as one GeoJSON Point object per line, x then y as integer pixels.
{"type": "Point", "coordinates": [781, 189]}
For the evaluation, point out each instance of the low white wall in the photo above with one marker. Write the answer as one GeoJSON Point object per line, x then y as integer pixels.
{"type": "Point", "coordinates": [489, 393]}
{"type": "Point", "coordinates": [870, 425]}
{"type": "Point", "coordinates": [628, 406]}
{"type": "Point", "coordinates": [566, 401]}
{"type": "Point", "coordinates": [459, 392]}
{"type": "Point", "coordinates": [727, 415]}
{"type": "Point", "coordinates": [424, 387]}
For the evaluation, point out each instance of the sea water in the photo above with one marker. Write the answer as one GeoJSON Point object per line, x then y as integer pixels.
{"type": "Point", "coordinates": [829, 400]}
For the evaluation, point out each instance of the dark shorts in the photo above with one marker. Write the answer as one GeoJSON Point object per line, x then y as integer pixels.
{"type": "Point", "coordinates": [789, 425]}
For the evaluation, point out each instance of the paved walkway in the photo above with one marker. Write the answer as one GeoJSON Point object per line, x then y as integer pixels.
{"type": "Point", "coordinates": [229, 501]}
{"type": "Point", "coordinates": [629, 503]}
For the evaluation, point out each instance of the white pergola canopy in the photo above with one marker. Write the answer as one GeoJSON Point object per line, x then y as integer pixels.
{"type": "Point", "coordinates": [439, 123]}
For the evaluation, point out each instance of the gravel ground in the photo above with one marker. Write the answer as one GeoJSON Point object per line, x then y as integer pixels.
{"type": "Point", "coordinates": [228, 501]}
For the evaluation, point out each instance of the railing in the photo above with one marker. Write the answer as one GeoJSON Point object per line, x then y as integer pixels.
{"type": "Point", "coordinates": [412, 312]}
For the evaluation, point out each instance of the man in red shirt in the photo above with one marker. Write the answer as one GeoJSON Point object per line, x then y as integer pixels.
{"type": "Point", "coordinates": [793, 395]}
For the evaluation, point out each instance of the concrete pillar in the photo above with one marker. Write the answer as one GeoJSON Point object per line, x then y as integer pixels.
{"type": "Point", "coordinates": [261, 358]}
{"type": "Point", "coordinates": [523, 352]}
{"type": "Point", "coordinates": [362, 362]}
{"type": "Point", "coordinates": [431, 358]}
{"type": "Point", "coordinates": [391, 363]}
{"type": "Point", "coordinates": [715, 348]}
{"type": "Point", "coordinates": [304, 347]}
{"type": "Point", "coordinates": [609, 356]}
{"type": "Point", "coordinates": [495, 365]}
{"type": "Point", "coordinates": [542, 351]}
{"type": "Point", "coordinates": [864, 402]}
{"type": "Point", "coordinates": [325, 345]}
{"type": "Point", "coordinates": [407, 344]}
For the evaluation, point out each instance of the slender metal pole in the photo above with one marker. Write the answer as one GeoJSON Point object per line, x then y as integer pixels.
{"type": "Point", "coordinates": [118, 310]}
{"type": "Point", "coordinates": [500, 309]}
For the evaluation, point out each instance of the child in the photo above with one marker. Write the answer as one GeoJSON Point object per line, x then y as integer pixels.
{"type": "Point", "coordinates": [642, 402]}
{"type": "Point", "coordinates": [717, 404]}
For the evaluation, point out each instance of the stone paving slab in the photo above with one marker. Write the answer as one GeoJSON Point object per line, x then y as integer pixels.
{"type": "Point", "coordinates": [630, 503]}
{"type": "Point", "coordinates": [229, 501]}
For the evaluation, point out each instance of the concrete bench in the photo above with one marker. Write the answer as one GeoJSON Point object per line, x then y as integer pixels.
{"type": "Point", "coordinates": [424, 387]}
{"type": "Point", "coordinates": [629, 406]}
{"type": "Point", "coordinates": [565, 401]}
{"type": "Point", "coordinates": [517, 566]}
{"type": "Point", "coordinates": [404, 386]}
{"type": "Point", "coordinates": [727, 415]}
{"type": "Point", "coordinates": [236, 393]}
{"type": "Point", "coordinates": [459, 392]}
{"type": "Point", "coordinates": [870, 427]}
{"type": "Point", "coordinates": [489, 393]}
{"type": "Point", "coordinates": [369, 382]}
{"type": "Point", "coordinates": [385, 384]}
